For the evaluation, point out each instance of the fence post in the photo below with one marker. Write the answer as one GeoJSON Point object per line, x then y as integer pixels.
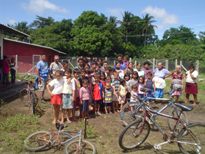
{"type": "Point", "coordinates": [180, 62]}
{"type": "Point", "coordinates": [197, 65]}
{"type": "Point", "coordinates": [176, 63]}
{"type": "Point", "coordinates": [105, 58]}
{"type": "Point", "coordinates": [135, 63]}
{"type": "Point", "coordinates": [130, 59]}
{"type": "Point", "coordinates": [167, 64]}
{"type": "Point", "coordinates": [153, 63]}
{"type": "Point", "coordinates": [114, 63]}
{"type": "Point", "coordinates": [16, 59]}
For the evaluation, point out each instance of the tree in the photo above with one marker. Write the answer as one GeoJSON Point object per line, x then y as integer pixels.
{"type": "Point", "coordinates": [41, 22]}
{"type": "Point", "coordinates": [179, 35]}
{"type": "Point", "coordinates": [22, 26]}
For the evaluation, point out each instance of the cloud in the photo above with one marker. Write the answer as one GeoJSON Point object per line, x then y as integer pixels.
{"type": "Point", "coordinates": [162, 15]}
{"type": "Point", "coordinates": [117, 12]}
{"type": "Point", "coordinates": [40, 6]}
{"type": "Point", "coordinates": [11, 22]}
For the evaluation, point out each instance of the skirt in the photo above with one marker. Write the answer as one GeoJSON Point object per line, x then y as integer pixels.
{"type": "Point", "coordinates": [191, 88]}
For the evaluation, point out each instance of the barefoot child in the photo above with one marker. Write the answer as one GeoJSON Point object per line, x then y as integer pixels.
{"type": "Point", "coordinates": [68, 94]}
{"type": "Point", "coordinates": [56, 94]}
{"type": "Point", "coordinates": [108, 95]}
{"type": "Point", "coordinates": [134, 97]}
{"type": "Point", "coordinates": [84, 94]}
{"type": "Point", "coordinates": [122, 93]}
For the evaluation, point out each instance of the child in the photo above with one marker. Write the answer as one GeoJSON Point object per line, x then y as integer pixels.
{"type": "Point", "coordinates": [149, 85]}
{"type": "Point", "coordinates": [97, 93]}
{"type": "Point", "coordinates": [68, 94]}
{"type": "Point", "coordinates": [56, 94]}
{"type": "Point", "coordinates": [122, 93]}
{"type": "Point", "coordinates": [159, 85]}
{"type": "Point", "coordinates": [76, 100]}
{"type": "Point", "coordinates": [108, 95]}
{"type": "Point", "coordinates": [84, 98]}
{"type": "Point", "coordinates": [141, 86]}
{"type": "Point", "coordinates": [116, 84]}
{"type": "Point", "coordinates": [134, 97]}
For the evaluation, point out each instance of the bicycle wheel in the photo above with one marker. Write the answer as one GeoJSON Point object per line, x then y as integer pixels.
{"type": "Point", "coordinates": [134, 134]}
{"type": "Point", "coordinates": [37, 141]}
{"type": "Point", "coordinates": [171, 123]}
{"type": "Point", "coordinates": [188, 143]}
{"type": "Point", "coordinates": [85, 147]}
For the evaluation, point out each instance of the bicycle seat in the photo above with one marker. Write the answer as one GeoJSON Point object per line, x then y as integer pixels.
{"type": "Point", "coordinates": [183, 107]}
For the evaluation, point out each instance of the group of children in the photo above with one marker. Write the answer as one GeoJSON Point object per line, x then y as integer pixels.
{"type": "Point", "coordinates": [93, 89]}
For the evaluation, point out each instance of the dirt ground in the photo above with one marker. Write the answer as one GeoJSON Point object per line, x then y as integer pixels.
{"type": "Point", "coordinates": [105, 129]}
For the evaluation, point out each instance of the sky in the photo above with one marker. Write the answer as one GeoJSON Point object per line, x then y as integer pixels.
{"type": "Point", "coordinates": [167, 13]}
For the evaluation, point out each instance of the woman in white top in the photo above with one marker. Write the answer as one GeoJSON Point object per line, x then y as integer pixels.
{"type": "Point", "coordinates": [191, 83]}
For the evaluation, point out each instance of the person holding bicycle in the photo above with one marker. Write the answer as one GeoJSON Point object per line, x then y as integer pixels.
{"type": "Point", "coordinates": [42, 74]}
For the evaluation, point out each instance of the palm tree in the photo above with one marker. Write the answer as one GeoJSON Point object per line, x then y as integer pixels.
{"type": "Point", "coordinates": [148, 27]}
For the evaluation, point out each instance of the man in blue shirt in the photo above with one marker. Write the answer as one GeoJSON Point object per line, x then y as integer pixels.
{"type": "Point", "coordinates": [43, 73]}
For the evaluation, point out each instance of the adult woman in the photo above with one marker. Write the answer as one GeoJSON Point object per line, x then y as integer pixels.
{"type": "Point", "coordinates": [191, 83]}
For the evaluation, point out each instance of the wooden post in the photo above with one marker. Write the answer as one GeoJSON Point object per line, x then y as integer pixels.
{"type": "Point", "coordinates": [130, 59]}
{"type": "Point", "coordinates": [167, 64]}
{"type": "Point", "coordinates": [197, 65]}
{"type": "Point", "coordinates": [153, 63]}
{"type": "Point", "coordinates": [176, 63]}
{"type": "Point", "coordinates": [135, 63]}
{"type": "Point", "coordinates": [85, 128]}
{"type": "Point", "coordinates": [16, 60]}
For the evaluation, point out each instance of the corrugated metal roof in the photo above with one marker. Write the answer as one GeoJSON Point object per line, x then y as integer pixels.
{"type": "Point", "coordinates": [41, 46]}
{"type": "Point", "coordinates": [9, 30]}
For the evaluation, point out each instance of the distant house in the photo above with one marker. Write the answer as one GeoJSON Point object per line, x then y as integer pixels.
{"type": "Point", "coordinates": [26, 54]}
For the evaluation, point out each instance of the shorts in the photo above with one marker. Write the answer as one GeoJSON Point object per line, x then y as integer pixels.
{"type": "Point", "coordinates": [191, 88]}
{"type": "Point", "coordinates": [108, 104]}
{"type": "Point", "coordinates": [42, 87]}
{"type": "Point", "coordinates": [56, 99]}
{"type": "Point", "coordinates": [122, 99]}
{"type": "Point", "coordinates": [85, 106]}
{"type": "Point", "coordinates": [159, 93]}
{"type": "Point", "coordinates": [98, 102]}
{"type": "Point", "coordinates": [67, 101]}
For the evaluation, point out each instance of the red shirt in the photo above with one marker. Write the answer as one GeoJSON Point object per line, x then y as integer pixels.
{"type": "Point", "coordinates": [96, 92]}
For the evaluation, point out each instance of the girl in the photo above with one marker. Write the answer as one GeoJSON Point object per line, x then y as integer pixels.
{"type": "Point", "coordinates": [56, 94]}
{"type": "Point", "coordinates": [97, 93]}
{"type": "Point", "coordinates": [108, 95]}
{"type": "Point", "coordinates": [149, 85]}
{"type": "Point", "coordinates": [141, 86]}
{"type": "Point", "coordinates": [122, 93]}
{"type": "Point", "coordinates": [84, 98]}
{"type": "Point", "coordinates": [68, 94]}
{"type": "Point", "coordinates": [191, 83]}
{"type": "Point", "coordinates": [76, 100]}
{"type": "Point", "coordinates": [134, 97]}
{"type": "Point", "coordinates": [13, 70]}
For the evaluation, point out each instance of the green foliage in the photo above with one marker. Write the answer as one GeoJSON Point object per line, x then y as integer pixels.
{"type": "Point", "coordinates": [14, 130]}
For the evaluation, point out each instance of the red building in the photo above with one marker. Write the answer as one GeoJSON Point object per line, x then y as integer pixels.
{"type": "Point", "coordinates": [26, 54]}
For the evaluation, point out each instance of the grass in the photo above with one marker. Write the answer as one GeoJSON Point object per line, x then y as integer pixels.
{"type": "Point", "coordinates": [14, 130]}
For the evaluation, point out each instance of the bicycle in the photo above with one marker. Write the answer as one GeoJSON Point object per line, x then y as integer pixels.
{"type": "Point", "coordinates": [131, 116]}
{"type": "Point", "coordinates": [141, 128]}
{"type": "Point", "coordinates": [29, 97]}
{"type": "Point", "coordinates": [73, 141]}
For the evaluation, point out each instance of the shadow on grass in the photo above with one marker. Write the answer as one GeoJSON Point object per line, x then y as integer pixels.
{"type": "Point", "coordinates": [146, 146]}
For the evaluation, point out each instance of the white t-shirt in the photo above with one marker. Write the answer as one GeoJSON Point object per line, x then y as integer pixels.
{"type": "Point", "coordinates": [159, 82]}
{"type": "Point", "coordinates": [188, 77]}
{"type": "Point", "coordinates": [68, 86]}
{"type": "Point", "coordinates": [56, 67]}
{"type": "Point", "coordinates": [140, 73]}
{"type": "Point", "coordinates": [57, 86]}
{"type": "Point", "coordinates": [134, 97]}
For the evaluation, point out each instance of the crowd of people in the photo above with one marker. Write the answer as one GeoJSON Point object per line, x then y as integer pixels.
{"type": "Point", "coordinates": [8, 70]}
{"type": "Point", "coordinates": [95, 86]}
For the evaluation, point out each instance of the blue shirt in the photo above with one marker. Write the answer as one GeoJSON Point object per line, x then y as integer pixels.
{"type": "Point", "coordinates": [43, 68]}
{"type": "Point", "coordinates": [161, 73]}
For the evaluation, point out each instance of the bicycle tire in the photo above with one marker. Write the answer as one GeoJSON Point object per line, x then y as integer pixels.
{"type": "Point", "coordinates": [139, 125]}
{"type": "Point", "coordinates": [75, 143]}
{"type": "Point", "coordinates": [172, 122]}
{"type": "Point", "coordinates": [190, 139]}
{"type": "Point", "coordinates": [44, 142]}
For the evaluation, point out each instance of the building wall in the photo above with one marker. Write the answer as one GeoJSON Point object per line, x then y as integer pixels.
{"type": "Point", "coordinates": [25, 54]}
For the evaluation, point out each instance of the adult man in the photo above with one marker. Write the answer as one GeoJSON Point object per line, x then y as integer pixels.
{"type": "Point", "coordinates": [160, 71]}
{"type": "Point", "coordinates": [56, 65]}
{"type": "Point", "coordinates": [43, 73]}
{"type": "Point", "coordinates": [146, 68]}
